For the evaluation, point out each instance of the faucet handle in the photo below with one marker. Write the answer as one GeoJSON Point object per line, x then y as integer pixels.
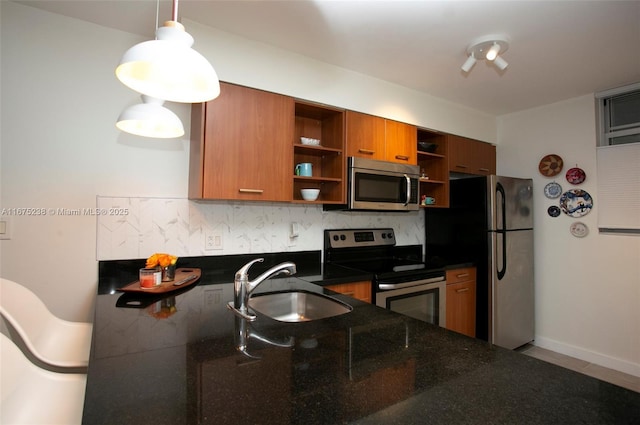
{"type": "Point", "coordinates": [243, 273]}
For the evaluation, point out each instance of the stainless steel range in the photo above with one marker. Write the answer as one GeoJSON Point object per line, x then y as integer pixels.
{"type": "Point", "coordinates": [401, 281]}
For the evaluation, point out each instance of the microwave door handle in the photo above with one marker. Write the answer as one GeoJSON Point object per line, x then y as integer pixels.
{"type": "Point", "coordinates": [408, 190]}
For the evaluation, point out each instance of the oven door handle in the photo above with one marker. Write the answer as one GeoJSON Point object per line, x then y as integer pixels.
{"type": "Point", "coordinates": [390, 286]}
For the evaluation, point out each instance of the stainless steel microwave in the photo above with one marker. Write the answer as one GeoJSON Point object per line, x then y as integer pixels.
{"type": "Point", "coordinates": [382, 186]}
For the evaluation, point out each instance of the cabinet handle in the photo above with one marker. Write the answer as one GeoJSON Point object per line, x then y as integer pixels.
{"type": "Point", "coordinates": [462, 275]}
{"type": "Point", "coordinates": [251, 190]}
{"type": "Point", "coordinates": [367, 151]}
{"type": "Point", "coordinates": [402, 157]}
{"type": "Point", "coordinates": [486, 170]}
{"type": "Point", "coordinates": [461, 166]}
{"type": "Point", "coordinates": [348, 293]}
{"type": "Point", "coordinates": [462, 290]}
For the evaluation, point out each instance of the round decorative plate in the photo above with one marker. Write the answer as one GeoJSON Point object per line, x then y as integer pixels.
{"type": "Point", "coordinates": [552, 190]}
{"type": "Point", "coordinates": [553, 210]}
{"type": "Point", "coordinates": [576, 202]}
{"type": "Point", "coordinates": [576, 175]}
{"type": "Point", "coordinates": [550, 165]}
{"type": "Point", "coordinates": [579, 230]}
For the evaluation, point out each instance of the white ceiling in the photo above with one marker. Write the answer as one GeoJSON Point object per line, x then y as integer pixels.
{"type": "Point", "coordinates": [558, 49]}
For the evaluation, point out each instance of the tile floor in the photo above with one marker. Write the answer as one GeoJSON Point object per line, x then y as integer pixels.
{"type": "Point", "coordinates": [609, 375]}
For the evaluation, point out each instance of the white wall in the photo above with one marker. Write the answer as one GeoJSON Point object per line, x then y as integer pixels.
{"type": "Point", "coordinates": [60, 148]}
{"type": "Point", "coordinates": [587, 290]}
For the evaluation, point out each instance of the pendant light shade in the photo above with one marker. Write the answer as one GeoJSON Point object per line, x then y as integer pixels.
{"type": "Point", "coordinates": [168, 68]}
{"type": "Point", "coordinates": [150, 119]}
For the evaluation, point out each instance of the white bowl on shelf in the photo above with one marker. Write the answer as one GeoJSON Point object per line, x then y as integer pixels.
{"type": "Point", "coordinates": [310, 194]}
{"type": "Point", "coordinates": [309, 141]}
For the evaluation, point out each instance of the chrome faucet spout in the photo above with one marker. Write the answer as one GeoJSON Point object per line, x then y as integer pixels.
{"type": "Point", "coordinates": [243, 287]}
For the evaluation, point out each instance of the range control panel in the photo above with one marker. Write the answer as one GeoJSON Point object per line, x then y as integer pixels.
{"type": "Point", "coordinates": [352, 238]}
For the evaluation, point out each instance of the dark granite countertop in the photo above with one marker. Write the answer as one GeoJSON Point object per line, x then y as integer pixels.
{"type": "Point", "coordinates": [174, 361]}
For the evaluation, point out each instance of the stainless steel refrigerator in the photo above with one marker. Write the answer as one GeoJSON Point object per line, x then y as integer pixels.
{"type": "Point", "coordinates": [490, 224]}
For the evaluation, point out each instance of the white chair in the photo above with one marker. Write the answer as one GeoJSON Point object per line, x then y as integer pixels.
{"type": "Point", "coordinates": [32, 395]}
{"type": "Point", "coordinates": [50, 339]}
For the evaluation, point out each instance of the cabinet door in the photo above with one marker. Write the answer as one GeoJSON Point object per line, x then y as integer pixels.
{"type": "Point", "coordinates": [460, 155]}
{"type": "Point", "coordinates": [485, 158]}
{"type": "Point", "coordinates": [461, 300]}
{"type": "Point", "coordinates": [401, 142]}
{"type": "Point", "coordinates": [247, 145]}
{"type": "Point", "coordinates": [358, 290]}
{"type": "Point", "coordinates": [365, 136]}
{"type": "Point", "coordinates": [461, 308]}
{"type": "Point", "coordinates": [471, 156]}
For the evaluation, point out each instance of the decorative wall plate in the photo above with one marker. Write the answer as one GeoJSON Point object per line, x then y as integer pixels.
{"type": "Point", "coordinates": [552, 190]}
{"type": "Point", "coordinates": [579, 230]}
{"type": "Point", "coordinates": [576, 202]}
{"type": "Point", "coordinates": [553, 210]}
{"type": "Point", "coordinates": [550, 165]}
{"type": "Point", "coordinates": [576, 175]}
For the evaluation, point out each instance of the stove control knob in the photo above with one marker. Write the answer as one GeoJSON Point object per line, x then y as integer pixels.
{"type": "Point", "coordinates": [390, 235]}
{"type": "Point", "coordinates": [384, 236]}
{"type": "Point", "coordinates": [343, 238]}
{"type": "Point", "coordinates": [336, 237]}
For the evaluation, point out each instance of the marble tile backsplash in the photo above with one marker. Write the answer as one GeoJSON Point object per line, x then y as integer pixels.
{"type": "Point", "coordinates": [179, 226]}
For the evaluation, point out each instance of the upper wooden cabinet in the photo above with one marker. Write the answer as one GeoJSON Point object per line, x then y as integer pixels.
{"type": "Point", "coordinates": [365, 136]}
{"type": "Point", "coordinates": [471, 156]}
{"type": "Point", "coordinates": [241, 146]}
{"type": "Point", "coordinates": [401, 142]}
{"type": "Point", "coordinates": [374, 137]}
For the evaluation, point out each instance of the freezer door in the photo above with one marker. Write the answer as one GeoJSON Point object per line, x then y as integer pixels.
{"type": "Point", "coordinates": [510, 203]}
{"type": "Point", "coordinates": [511, 285]}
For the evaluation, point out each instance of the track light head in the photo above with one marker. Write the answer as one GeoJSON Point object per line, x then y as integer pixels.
{"type": "Point", "coordinates": [492, 53]}
{"type": "Point", "coordinates": [468, 64]}
{"type": "Point", "coordinates": [500, 63]}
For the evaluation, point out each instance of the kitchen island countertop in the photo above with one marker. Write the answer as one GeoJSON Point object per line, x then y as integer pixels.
{"type": "Point", "coordinates": [175, 361]}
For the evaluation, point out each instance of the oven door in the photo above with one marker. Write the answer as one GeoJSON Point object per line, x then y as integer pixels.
{"type": "Point", "coordinates": [426, 302]}
{"type": "Point", "coordinates": [380, 185]}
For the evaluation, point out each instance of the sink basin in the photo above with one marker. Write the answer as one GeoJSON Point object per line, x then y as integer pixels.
{"type": "Point", "coordinates": [297, 306]}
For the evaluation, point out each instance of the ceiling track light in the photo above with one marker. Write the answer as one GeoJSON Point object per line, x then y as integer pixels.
{"type": "Point", "coordinates": [487, 47]}
{"type": "Point", "coordinates": [168, 68]}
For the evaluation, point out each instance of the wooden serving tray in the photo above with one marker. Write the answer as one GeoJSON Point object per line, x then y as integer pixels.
{"type": "Point", "coordinates": [182, 273]}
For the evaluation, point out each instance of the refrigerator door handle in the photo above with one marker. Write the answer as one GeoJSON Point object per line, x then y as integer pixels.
{"type": "Point", "coordinates": [500, 190]}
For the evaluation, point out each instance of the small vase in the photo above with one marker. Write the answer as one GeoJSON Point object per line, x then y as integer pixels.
{"type": "Point", "coordinates": [169, 273]}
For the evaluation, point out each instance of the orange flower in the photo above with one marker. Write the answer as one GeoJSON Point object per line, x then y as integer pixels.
{"type": "Point", "coordinates": [162, 260]}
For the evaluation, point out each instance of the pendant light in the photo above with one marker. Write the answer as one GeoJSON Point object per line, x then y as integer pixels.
{"type": "Point", "coordinates": [150, 119]}
{"type": "Point", "coordinates": [168, 68]}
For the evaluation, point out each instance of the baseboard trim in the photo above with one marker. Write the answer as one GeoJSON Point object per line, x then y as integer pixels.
{"type": "Point", "coordinates": [588, 356]}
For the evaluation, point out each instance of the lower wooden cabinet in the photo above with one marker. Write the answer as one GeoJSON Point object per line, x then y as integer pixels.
{"type": "Point", "coordinates": [358, 290]}
{"type": "Point", "coordinates": [461, 300]}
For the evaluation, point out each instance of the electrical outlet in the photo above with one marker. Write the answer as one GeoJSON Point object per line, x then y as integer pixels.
{"type": "Point", "coordinates": [5, 228]}
{"type": "Point", "coordinates": [213, 241]}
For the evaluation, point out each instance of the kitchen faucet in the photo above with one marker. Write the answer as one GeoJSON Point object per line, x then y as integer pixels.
{"type": "Point", "coordinates": [243, 287]}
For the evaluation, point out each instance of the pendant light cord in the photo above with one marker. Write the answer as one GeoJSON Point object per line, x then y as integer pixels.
{"type": "Point", "coordinates": [174, 12]}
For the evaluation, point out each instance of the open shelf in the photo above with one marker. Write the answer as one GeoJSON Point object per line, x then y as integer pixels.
{"type": "Point", "coordinates": [434, 168]}
{"type": "Point", "coordinates": [328, 162]}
